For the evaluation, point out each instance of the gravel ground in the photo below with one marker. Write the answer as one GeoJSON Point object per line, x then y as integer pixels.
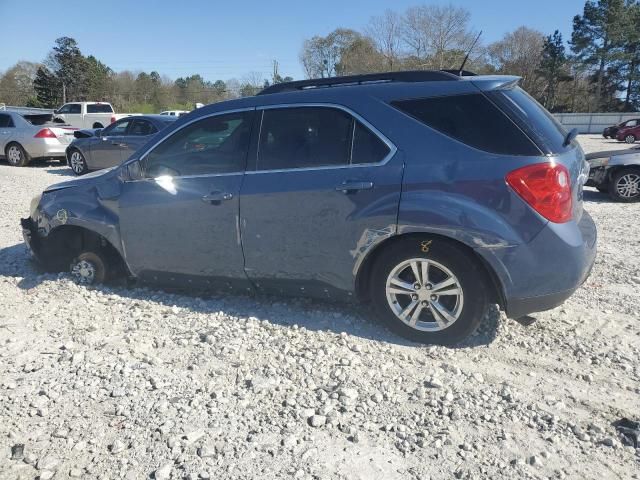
{"type": "Point", "coordinates": [111, 382]}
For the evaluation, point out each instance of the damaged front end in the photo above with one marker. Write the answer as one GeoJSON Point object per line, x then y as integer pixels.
{"type": "Point", "coordinates": [74, 217]}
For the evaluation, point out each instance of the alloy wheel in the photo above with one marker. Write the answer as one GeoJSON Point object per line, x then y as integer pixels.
{"type": "Point", "coordinates": [14, 155]}
{"type": "Point", "coordinates": [628, 185]}
{"type": "Point", "coordinates": [77, 162]}
{"type": "Point", "coordinates": [424, 294]}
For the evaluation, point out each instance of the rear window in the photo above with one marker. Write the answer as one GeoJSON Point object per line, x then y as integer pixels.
{"type": "Point", "coordinates": [38, 119]}
{"type": "Point", "coordinates": [471, 119]}
{"type": "Point", "coordinates": [99, 108]}
{"type": "Point", "coordinates": [532, 118]}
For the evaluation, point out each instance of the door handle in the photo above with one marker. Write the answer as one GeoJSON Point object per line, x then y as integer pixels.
{"type": "Point", "coordinates": [118, 144]}
{"type": "Point", "coordinates": [216, 198]}
{"type": "Point", "coordinates": [351, 187]}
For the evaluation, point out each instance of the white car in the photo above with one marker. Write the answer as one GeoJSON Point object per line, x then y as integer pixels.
{"type": "Point", "coordinates": [175, 113]}
{"type": "Point", "coordinates": [88, 114]}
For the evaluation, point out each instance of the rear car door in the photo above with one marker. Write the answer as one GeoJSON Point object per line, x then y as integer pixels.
{"type": "Point", "coordinates": [109, 150]}
{"type": "Point", "coordinates": [324, 186]}
{"type": "Point", "coordinates": [138, 133]}
{"type": "Point", "coordinates": [6, 127]}
{"type": "Point", "coordinates": [179, 224]}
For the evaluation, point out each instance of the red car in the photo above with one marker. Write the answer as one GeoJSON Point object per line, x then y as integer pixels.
{"type": "Point", "coordinates": [628, 134]}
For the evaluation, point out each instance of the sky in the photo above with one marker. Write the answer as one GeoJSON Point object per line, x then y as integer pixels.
{"type": "Point", "coordinates": [227, 39]}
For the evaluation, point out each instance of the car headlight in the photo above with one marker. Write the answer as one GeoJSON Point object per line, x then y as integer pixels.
{"type": "Point", "coordinates": [35, 201]}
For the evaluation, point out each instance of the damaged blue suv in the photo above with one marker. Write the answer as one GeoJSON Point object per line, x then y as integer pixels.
{"type": "Point", "coordinates": [429, 195]}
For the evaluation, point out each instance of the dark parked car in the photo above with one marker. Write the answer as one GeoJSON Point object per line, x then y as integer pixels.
{"type": "Point", "coordinates": [427, 194]}
{"type": "Point", "coordinates": [612, 131]}
{"type": "Point", "coordinates": [617, 173]}
{"type": "Point", "coordinates": [106, 147]}
{"type": "Point", "coordinates": [628, 134]}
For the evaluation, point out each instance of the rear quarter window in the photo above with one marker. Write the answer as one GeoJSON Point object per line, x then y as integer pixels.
{"type": "Point", "coordinates": [99, 108]}
{"type": "Point", "coordinates": [532, 118]}
{"type": "Point", "coordinates": [471, 119]}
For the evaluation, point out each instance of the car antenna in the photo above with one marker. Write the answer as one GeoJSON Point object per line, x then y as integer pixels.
{"type": "Point", "coordinates": [466, 57]}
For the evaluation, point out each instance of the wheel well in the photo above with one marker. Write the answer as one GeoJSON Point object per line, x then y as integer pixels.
{"type": "Point", "coordinates": [67, 241]}
{"type": "Point", "coordinates": [364, 273]}
{"type": "Point", "coordinates": [613, 170]}
{"type": "Point", "coordinates": [97, 125]}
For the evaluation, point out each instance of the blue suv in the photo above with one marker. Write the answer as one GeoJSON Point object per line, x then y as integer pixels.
{"type": "Point", "coordinates": [429, 195]}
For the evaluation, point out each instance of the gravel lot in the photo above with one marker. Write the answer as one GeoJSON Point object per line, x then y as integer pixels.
{"type": "Point", "coordinates": [135, 383]}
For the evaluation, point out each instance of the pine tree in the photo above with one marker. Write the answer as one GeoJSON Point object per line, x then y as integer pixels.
{"type": "Point", "coordinates": [597, 37]}
{"type": "Point", "coordinates": [552, 67]}
{"type": "Point", "coordinates": [48, 88]}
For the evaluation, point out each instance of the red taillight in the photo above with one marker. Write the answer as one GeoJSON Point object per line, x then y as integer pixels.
{"type": "Point", "coordinates": [45, 133]}
{"type": "Point", "coordinates": [546, 187]}
{"type": "Point", "coordinates": [113, 118]}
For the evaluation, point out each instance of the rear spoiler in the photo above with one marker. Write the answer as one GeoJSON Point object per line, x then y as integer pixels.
{"type": "Point", "coordinates": [495, 82]}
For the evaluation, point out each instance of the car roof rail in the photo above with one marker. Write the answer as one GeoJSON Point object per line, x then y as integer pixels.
{"type": "Point", "coordinates": [386, 77]}
{"type": "Point", "coordinates": [461, 73]}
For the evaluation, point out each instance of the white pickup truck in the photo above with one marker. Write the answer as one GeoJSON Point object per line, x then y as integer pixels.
{"type": "Point", "coordinates": [88, 114]}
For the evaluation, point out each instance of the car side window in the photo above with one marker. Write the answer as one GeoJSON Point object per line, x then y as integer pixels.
{"type": "Point", "coordinates": [118, 128]}
{"type": "Point", "coordinates": [367, 146]}
{"type": "Point", "coordinates": [304, 137]}
{"type": "Point", "coordinates": [71, 108]}
{"type": "Point", "coordinates": [212, 145]}
{"type": "Point", "coordinates": [632, 123]}
{"type": "Point", "coordinates": [141, 128]}
{"type": "Point", "coordinates": [6, 121]}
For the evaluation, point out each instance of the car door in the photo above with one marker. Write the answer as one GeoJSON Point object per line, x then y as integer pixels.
{"type": "Point", "coordinates": [5, 131]}
{"type": "Point", "coordinates": [138, 133]}
{"type": "Point", "coordinates": [108, 150]}
{"type": "Point", "coordinates": [179, 224]}
{"type": "Point", "coordinates": [324, 187]}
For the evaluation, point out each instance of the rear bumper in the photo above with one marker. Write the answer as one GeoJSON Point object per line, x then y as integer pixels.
{"type": "Point", "coordinates": [45, 148]}
{"type": "Point", "coordinates": [545, 272]}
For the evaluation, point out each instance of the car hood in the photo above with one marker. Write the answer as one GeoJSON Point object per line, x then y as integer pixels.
{"type": "Point", "coordinates": [86, 181]}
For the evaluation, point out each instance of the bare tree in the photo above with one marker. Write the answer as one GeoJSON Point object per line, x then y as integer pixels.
{"type": "Point", "coordinates": [520, 53]}
{"type": "Point", "coordinates": [449, 31]}
{"type": "Point", "coordinates": [386, 33]}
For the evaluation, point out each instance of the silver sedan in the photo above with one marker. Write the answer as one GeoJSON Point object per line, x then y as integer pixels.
{"type": "Point", "coordinates": [25, 137]}
{"type": "Point", "coordinates": [103, 148]}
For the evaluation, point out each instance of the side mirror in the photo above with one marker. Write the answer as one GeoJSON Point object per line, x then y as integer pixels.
{"type": "Point", "coordinates": [56, 111]}
{"type": "Point", "coordinates": [98, 132]}
{"type": "Point", "coordinates": [134, 170]}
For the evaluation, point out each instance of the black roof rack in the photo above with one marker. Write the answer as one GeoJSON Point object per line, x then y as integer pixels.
{"type": "Point", "coordinates": [407, 76]}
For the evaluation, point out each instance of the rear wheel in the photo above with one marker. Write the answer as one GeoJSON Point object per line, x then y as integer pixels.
{"type": "Point", "coordinates": [16, 156]}
{"type": "Point", "coordinates": [97, 125]}
{"type": "Point", "coordinates": [429, 291]}
{"type": "Point", "coordinates": [77, 163]}
{"type": "Point", "coordinates": [89, 268]}
{"type": "Point", "coordinates": [630, 138]}
{"type": "Point", "coordinates": [625, 185]}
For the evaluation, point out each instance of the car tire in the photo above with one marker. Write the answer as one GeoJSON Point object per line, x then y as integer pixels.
{"type": "Point", "coordinates": [89, 268]}
{"type": "Point", "coordinates": [630, 138]}
{"type": "Point", "coordinates": [436, 318]}
{"type": "Point", "coordinates": [77, 162]}
{"type": "Point", "coordinates": [16, 155]}
{"type": "Point", "coordinates": [97, 125]}
{"type": "Point", "coordinates": [625, 185]}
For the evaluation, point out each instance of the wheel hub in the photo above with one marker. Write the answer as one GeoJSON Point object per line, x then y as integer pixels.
{"type": "Point", "coordinates": [84, 272]}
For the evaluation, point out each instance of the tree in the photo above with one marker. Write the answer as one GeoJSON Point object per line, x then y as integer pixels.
{"type": "Point", "coordinates": [48, 88]}
{"type": "Point", "coordinates": [519, 53]}
{"type": "Point", "coordinates": [552, 67]}
{"type": "Point", "coordinates": [16, 85]}
{"type": "Point", "coordinates": [68, 64]}
{"type": "Point", "coordinates": [98, 78]}
{"type": "Point", "coordinates": [597, 36]}
{"type": "Point", "coordinates": [385, 31]}
{"type": "Point", "coordinates": [322, 56]}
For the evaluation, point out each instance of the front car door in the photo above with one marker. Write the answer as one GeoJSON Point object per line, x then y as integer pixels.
{"type": "Point", "coordinates": [324, 187]}
{"type": "Point", "coordinates": [108, 150]}
{"type": "Point", "coordinates": [138, 134]}
{"type": "Point", "coordinates": [179, 224]}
